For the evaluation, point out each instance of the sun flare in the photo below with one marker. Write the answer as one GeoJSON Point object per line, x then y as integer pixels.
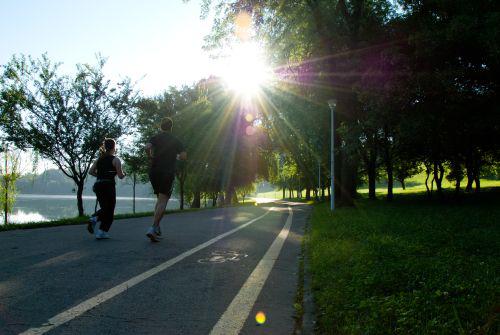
{"type": "Point", "coordinates": [245, 70]}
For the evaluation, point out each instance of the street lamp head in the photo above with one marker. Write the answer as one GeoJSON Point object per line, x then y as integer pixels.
{"type": "Point", "coordinates": [332, 103]}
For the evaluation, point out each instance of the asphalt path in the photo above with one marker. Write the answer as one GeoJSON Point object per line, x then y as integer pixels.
{"type": "Point", "coordinates": [213, 271]}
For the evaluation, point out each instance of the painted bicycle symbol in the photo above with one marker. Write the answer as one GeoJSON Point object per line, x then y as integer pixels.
{"type": "Point", "coordinates": [222, 256]}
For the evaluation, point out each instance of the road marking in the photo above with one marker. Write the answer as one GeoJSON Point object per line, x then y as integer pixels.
{"type": "Point", "coordinates": [88, 304]}
{"type": "Point", "coordinates": [222, 256]}
{"type": "Point", "coordinates": [236, 314]}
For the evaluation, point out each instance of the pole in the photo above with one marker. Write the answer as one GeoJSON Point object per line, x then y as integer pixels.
{"type": "Point", "coordinates": [331, 104]}
{"type": "Point", "coordinates": [319, 177]}
{"type": "Point", "coordinates": [133, 191]}
{"type": "Point", "coordinates": [6, 181]}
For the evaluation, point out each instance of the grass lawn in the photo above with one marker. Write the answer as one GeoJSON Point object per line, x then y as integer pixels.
{"type": "Point", "coordinates": [412, 266]}
{"type": "Point", "coordinates": [417, 184]}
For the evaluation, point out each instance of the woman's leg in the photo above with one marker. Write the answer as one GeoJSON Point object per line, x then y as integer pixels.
{"type": "Point", "coordinates": [112, 205]}
{"type": "Point", "coordinates": [107, 201]}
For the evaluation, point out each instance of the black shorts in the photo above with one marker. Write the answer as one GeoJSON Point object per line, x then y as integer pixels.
{"type": "Point", "coordinates": [162, 182]}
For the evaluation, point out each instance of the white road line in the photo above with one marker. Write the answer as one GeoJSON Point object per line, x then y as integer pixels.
{"type": "Point", "coordinates": [236, 314]}
{"type": "Point", "coordinates": [85, 306]}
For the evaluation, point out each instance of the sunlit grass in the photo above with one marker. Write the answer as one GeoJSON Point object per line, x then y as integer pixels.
{"type": "Point", "coordinates": [277, 194]}
{"type": "Point", "coordinates": [416, 184]}
{"type": "Point", "coordinates": [413, 266]}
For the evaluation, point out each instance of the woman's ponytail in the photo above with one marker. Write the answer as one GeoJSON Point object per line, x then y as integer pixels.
{"type": "Point", "coordinates": [107, 145]}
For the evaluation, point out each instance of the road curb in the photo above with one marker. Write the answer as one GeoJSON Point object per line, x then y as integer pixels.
{"type": "Point", "coordinates": [305, 323]}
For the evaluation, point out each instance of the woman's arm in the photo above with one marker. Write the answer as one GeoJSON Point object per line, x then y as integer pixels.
{"type": "Point", "coordinates": [117, 163]}
{"type": "Point", "coordinates": [93, 169]}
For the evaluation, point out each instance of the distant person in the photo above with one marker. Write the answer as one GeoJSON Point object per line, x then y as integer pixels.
{"type": "Point", "coordinates": [163, 150]}
{"type": "Point", "coordinates": [105, 169]}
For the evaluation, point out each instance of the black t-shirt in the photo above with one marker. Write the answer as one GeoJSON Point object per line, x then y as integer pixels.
{"type": "Point", "coordinates": [105, 168]}
{"type": "Point", "coordinates": [165, 149]}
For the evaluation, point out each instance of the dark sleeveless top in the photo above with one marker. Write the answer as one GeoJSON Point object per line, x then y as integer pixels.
{"type": "Point", "coordinates": [106, 172]}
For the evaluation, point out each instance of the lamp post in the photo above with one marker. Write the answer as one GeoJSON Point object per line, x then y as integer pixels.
{"type": "Point", "coordinates": [319, 178]}
{"type": "Point", "coordinates": [332, 104]}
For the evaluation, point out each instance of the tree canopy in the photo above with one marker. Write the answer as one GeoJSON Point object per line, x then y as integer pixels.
{"type": "Point", "coordinates": [64, 118]}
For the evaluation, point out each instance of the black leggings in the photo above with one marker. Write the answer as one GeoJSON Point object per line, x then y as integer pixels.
{"type": "Point", "coordinates": [106, 195]}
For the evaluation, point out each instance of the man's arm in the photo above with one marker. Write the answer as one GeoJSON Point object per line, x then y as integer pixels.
{"type": "Point", "coordinates": [181, 151]}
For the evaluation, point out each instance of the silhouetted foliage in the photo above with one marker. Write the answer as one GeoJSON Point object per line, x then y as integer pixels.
{"type": "Point", "coordinates": [64, 118]}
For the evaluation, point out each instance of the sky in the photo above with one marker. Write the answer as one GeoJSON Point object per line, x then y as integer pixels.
{"type": "Point", "coordinates": [157, 43]}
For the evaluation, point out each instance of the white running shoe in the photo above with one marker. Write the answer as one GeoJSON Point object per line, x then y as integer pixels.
{"type": "Point", "coordinates": [101, 235]}
{"type": "Point", "coordinates": [152, 235]}
{"type": "Point", "coordinates": [91, 224]}
{"type": "Point", "coordinates": [157, 231]}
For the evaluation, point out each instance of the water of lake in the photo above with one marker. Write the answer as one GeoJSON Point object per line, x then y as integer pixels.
{"type": "Point", "coordinates": [38, 207]}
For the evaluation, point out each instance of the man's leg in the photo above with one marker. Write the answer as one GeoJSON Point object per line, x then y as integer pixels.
{"type": "Point", "coordinates": [161, 204]}
{"type": "Point", "coordinates": [154, 232]}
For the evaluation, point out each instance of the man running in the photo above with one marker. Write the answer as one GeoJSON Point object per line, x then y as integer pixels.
{"type": "Point", "coordinates": [163, 150]}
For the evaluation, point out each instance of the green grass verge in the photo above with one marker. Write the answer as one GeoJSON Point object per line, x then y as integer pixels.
{"type": "Point", "coordinates": [413, 266]}
{"type": "Point", "coordinates": [82, 220]}
{"type": "Point", "coordinates": [68, 221]}
{"type": "Point", "coordinates": [416, 184]}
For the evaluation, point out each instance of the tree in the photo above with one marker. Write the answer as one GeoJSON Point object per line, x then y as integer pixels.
{"type": "Point", "coordinates": [64, 118]}
{"type": "Point", "coordinates": [245, 190]}
{"type": "Point", "coordinates": [223, 143]}
{"type": "Point", "coordinates": [10, 173]}
{"type": "Point", "coordinates": [319, 44]}
{"type": "Point", "coordinates": [136, 167]}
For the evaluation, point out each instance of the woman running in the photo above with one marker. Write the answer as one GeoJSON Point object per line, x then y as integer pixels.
{"type": "Point", "coordinates": [105, 169]}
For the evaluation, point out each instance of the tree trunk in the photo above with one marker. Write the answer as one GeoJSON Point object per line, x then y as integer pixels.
{"type": "Point", "coordinates": [308, 193]}
{"type": "Point", "coordinates": [196, 200]}
{"type": "Point", "coordinates": [181, 194]}
{"type": "Point", "coordinates": [436, 177]}
{"type": "Point", "coordinates": [390, 181]}
{"type": "Point", "coordinates": [230, 195]}
{"type": "Point", "coordinates": [372, 174]}
{"type": "Point", "coordinates": [470, 181]}
{"type": "Point", "coordinates": [339, 158]}
{"type": "Point", "coordinates": [477, 175]}
{"type": "Point", "coordinates": [428, 173]}
{"type": "Point", "coordinates": [441, 173]}
{"type": "Point", "coordinates": [79, 198]}
{"type": "Point", "coordinates": [348, 182]}
{"type": "Point", "coordinates": [284, 193]}
{"type": "Point", "coordinates": [322, 193]}
{"type": "Point", "coordinates": [221, 199]}
{"type": "Point", "coordinates": [403, 185]}
{"type": "Point", "coordinates": [214, 200]}
{"type": "Point", "coordinates": [6, 185]}
{"type": "Point", "coordinates": [347, 112]}
{"type": "Point", "coordinates": [388, 164]}
{"type": "Point", "coordinates": [470, 174]}
{"type": "Point", "coordinates": [478, 183]}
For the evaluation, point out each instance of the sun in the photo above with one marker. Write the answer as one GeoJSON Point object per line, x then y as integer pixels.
{"type": "Point", "coordinates": [245, 70]}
